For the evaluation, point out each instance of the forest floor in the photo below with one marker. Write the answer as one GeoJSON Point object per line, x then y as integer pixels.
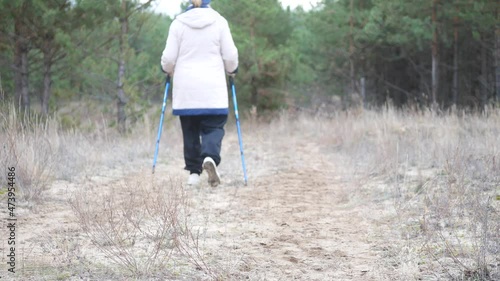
{"type": "Point", "coordinates": [309, 212]}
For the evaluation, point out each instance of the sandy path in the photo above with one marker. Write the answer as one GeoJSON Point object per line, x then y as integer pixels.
{"type": "Point", "coordinates": [302, 217]}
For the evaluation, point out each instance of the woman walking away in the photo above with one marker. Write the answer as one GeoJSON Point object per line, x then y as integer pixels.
{"type": "Point", "coordinates": [199, 52]}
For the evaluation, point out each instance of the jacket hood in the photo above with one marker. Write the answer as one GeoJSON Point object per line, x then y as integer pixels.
{"type": "Point", "coordinates": [198, 18]}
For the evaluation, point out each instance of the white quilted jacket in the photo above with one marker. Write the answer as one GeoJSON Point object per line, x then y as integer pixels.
{"type": "Point", "coordinates": [199, 52]}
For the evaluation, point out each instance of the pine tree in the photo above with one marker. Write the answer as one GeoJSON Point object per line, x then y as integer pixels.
{"type": "Point", "coordinates": [261, 30]}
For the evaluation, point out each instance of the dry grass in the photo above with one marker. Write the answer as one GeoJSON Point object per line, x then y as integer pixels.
{"type": "Point", "coordinates": [42, 152]}
{"type": "Point", "coordinates": [143, 226]}
{"type": "Point", "coordinates": [439, 172]}
{"type": "Point", "coordinates": [136, 225]}
{"type": "Point", "coordinates": [27, 148]}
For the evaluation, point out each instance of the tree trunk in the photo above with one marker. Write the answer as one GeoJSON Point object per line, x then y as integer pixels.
{"type": "Point", "coordinates": [47, 74]}
{"type": "Point", "coordinates": [18, 100]}
{"type": "Point", "coordinates": [21, 70]}
{"type": "Point", "coordinates": [2, 95]}
{"type": "Point", "coordinates": [25, 80]}
{"type": "Point", "coordinates": [435, 55]}
{"type": "Point", "coordinates": [47, 86]}
{"type": "Point", "coordinates": [121, 96]}
{"type": "Point", "coordinates": [363, 91]}
{"type": "Point", "coordinates": [483, 78]}
{"type": "Point", "coordinates": [497, 57]}
{"type": "Point", "coordinates": [455, 88]}
{"type": "Point", "coordinates": [254, 93]}
{"type": "Point", "coordinates": [351, 50]}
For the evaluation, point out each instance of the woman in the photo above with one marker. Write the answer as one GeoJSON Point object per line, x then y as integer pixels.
{"type": "Point", "coordinates": [199, 52]}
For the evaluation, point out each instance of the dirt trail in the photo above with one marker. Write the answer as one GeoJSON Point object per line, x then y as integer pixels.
{"type": "Point", "coordinates": [302, 217]}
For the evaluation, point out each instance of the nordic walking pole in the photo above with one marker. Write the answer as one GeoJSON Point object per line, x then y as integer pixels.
{"type": "Point", "coordinates": [167, 85]}
{"type": "Point", "coordinates": [235, 102]}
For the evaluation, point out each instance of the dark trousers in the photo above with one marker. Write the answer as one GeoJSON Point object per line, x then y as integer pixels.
{"type": "Point", "coordinates": [202, 136]}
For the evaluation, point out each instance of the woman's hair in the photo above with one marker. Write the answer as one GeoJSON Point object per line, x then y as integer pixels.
{"type": "Point", "coordinates": [197, 3]}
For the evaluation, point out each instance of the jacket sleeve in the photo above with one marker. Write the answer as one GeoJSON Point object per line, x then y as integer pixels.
{"type": "Point", "coordinates": [171, 51]}
{"type": "Point", "coordinates": [228, 49]}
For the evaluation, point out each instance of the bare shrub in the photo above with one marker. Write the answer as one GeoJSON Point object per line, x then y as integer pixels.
{"type": "Point", "coordinates": [461, 222]}
{"type": "Point", "coordinates": [135, 225]}
{"type": "Point", "coordinates": [188, 245]}
{"type": "Point", "coordinates": [142, 227]}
